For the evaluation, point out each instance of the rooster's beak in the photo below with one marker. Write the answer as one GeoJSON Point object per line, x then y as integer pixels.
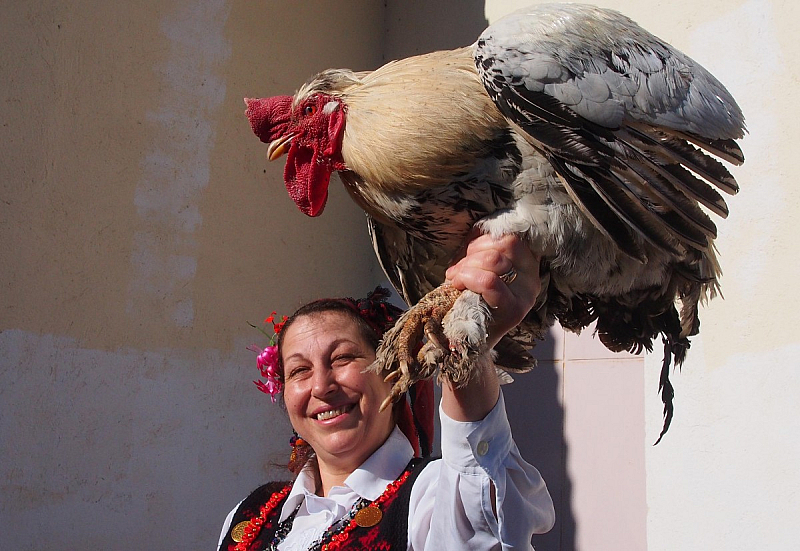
{"type": "Point", "coordinates": [278, 147]}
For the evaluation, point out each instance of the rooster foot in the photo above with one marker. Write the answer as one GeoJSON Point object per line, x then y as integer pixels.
{"type": "Point", "coordinates": [466, 329]}
{"type": "Point", "coordinates": [402, 352]}
{"type": "Point", "coordinates": [454, 325]}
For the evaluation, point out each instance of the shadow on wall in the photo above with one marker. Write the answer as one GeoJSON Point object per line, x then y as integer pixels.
{"type": "Point", "coordinates": [536, 414]}
{"type": "Point", "coordinates": [534, 404]}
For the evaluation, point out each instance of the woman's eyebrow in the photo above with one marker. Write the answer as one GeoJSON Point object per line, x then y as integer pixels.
{"type": "Point", "coordinates": [331, 347]}
{"type": "Point", "coordinates": [295, 355]}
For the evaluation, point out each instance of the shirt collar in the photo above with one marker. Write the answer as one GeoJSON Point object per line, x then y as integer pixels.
{"type": "Point", "coordinates": [303, 485]}
{"type": "Point", "coordinates": [369, 480]}
{"type": "Point", "coordinates": [382, 467]}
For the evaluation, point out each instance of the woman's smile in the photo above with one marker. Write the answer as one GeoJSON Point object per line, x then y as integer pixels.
{"type": "Point", "coordinates": [328, 414]}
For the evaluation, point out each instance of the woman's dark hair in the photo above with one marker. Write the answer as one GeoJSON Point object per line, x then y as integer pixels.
{"type": "Point", "coordinates": [324, 306]}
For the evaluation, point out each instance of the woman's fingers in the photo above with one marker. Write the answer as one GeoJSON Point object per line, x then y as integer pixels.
{"type": "Point", "coordinates": [480, 271]}
{"type": "Point", "coordinates": [487, 259]}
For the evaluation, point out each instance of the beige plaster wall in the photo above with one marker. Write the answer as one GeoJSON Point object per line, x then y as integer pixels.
{"type": "Point", "coordinates": [141, 228]}
{"type": "Point", "coordinates": [131, 187]}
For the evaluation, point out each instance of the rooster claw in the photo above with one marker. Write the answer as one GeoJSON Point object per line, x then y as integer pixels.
{"type": "Point", "coordinates": [392, 376]}
{"type": "Point", "coordinates": [403, 379]}
{"type": "Point", "coordinates": [404, 382]}
{"type": "Point", "coordinates": [386, 402]}
{"type": "Point", "coordinates": [404, 353]}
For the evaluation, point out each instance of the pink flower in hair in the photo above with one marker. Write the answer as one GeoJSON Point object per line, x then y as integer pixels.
{"type": "Point", "coordinates": [268, 360]}
{"type": "Point", "coordinates": [272, 387]}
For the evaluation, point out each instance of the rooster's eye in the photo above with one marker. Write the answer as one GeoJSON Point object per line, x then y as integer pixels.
{"type": "Point", "coordinates": [309, 110]}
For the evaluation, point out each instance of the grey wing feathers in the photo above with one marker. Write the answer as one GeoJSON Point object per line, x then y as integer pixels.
{"type": "Point", "coordinates": [606, 67]}
{"type": "Point", "coordinates": [627, 120]}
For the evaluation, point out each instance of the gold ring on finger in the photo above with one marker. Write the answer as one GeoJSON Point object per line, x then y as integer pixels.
{"type": "Point", "coordinates": [509, 276]}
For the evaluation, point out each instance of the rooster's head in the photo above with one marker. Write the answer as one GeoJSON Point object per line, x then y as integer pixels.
{"type": "Point", "coordinates": [310, 132]}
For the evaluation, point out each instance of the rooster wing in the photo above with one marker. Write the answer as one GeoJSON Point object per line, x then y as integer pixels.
{"type": "Point", "coordinates": [614, 110]}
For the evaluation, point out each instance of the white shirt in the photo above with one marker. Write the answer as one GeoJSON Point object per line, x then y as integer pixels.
{"type": "Point", "coordinates": [451, 504]}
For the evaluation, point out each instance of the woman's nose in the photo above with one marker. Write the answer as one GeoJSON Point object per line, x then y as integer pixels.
{"type": "Point", "coordinates": [323, 381]}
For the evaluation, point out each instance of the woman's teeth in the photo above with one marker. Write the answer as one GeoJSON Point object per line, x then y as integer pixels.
{"type": "Point", "coordinates": [331, 413]}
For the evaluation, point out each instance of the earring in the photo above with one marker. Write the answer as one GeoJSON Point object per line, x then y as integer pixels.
{"type": "Point", "coordinates": [296, 442]}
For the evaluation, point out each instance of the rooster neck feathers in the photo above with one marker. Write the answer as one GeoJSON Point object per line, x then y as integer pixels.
{"type": "Point", "coordinates": [393, 138]}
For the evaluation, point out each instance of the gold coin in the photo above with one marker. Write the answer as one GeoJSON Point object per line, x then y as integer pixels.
{"type": "Point", "coordinates": [237, 534]}
{"type": "Point", "coordinates": [368, 517]}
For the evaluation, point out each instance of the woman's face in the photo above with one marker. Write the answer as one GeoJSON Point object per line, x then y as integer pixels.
{"type": "Point", "coordinates": [332, 402]}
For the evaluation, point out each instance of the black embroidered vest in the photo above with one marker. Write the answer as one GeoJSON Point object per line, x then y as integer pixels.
{"type": "Point", "coordinates": [391, 533]}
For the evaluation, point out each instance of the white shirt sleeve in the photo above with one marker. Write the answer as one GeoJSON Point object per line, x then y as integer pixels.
{"type": "Point", "coordinates": [451, 501]}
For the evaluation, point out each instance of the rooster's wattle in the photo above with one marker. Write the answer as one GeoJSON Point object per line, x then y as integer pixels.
{"type": "Point", "coordinates": [568, 125]}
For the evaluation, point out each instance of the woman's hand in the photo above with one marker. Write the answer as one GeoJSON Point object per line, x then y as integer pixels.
{"type": "Point", "coordinates": [479, 271]}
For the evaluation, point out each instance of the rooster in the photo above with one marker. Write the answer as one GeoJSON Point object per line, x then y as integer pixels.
{"type": "Point", "coordinates": [568, 125]}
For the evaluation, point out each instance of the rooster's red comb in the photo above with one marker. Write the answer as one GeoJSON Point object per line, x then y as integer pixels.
{"type": "Point", "coordinates": [269, 117]}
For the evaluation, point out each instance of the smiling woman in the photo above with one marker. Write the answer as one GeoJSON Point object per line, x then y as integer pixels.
{"type": "Point", "coordinates": [361, 483]}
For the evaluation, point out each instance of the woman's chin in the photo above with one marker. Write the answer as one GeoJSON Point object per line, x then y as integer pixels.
{"type": "Point", "coordinates": [346, 444]}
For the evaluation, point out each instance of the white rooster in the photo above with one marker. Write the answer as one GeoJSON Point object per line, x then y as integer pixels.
{"type": "Point", "coordinates": [568, 125]}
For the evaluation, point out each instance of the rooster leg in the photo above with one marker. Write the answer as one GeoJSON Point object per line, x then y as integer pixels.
{"type": "Point", "coordinates": [429, 357]}
{"type": "Point", "coordinates": [397, 352]}
{"type": "Point", "coordinates": [437, 346]}
{"type": "Point", "coordinates": [433, 352]}
{"type": "Point", "coordinates": [435, 335]}
{"type": "Point", "coordinates": [466, 329]}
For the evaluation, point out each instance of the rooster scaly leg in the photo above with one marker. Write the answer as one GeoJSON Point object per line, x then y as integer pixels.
{"type": "Point", "coordinates": [466, 330]}
{"type": "Point", "coordinates": [397, 353]}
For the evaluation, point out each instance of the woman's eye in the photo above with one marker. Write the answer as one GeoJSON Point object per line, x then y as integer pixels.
{"type": "Point", "coordinates": [342, 359]}
{"type": "Point", "coordinates": [297, 371]}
